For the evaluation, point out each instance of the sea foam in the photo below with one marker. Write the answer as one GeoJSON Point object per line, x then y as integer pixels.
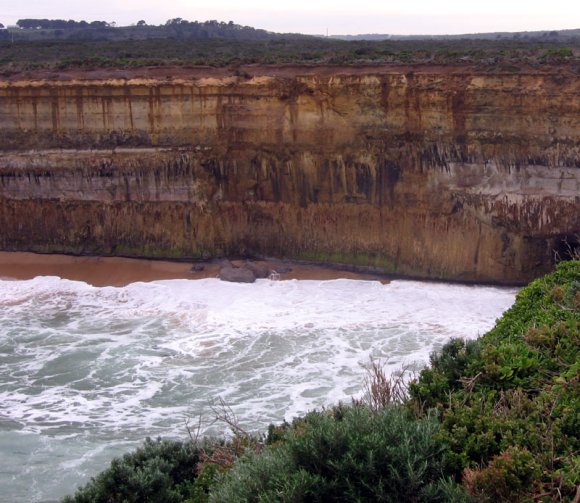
{"type": "Point", "coordinates": [88, 373]}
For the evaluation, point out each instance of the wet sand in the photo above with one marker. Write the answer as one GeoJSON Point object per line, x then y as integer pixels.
{"type": "Point", "coordinates": [117, 271]}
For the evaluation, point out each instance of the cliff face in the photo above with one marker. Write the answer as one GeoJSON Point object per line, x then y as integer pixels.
{"type": "Point", "coordinates": [434, 172]}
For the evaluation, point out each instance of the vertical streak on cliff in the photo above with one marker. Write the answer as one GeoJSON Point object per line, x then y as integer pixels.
{"type": "Point", "coordinates": [154, 114]}
{"type": "Point", "coordinates": [458, 107]}
{"type": "Point", "coordinates": [412, 105]}
{"type": "Point", "coordinates": [200, 110]}
{"type": "Point", "coordinates": [55, 111]}
{"type": "Point", "coordinates": [385, 90]}
{"type": "Point", "coordinates": [128, 112]}
{"type": "Point", "coordinates": [108, 120]}
{"type": "Point", "coordinates": [80, 122]}
{"type": "Point", "coordinates": [18, 112]}
{"type": "Point", "coordinates": [35, 114]}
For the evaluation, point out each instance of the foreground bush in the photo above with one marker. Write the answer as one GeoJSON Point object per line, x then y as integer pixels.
{"type": "Point", "coordinates": [160, 471]}
{"type": "Point", "coordinates": [510, 401]}
{"type": "Point", "coordinates": [345, 454]}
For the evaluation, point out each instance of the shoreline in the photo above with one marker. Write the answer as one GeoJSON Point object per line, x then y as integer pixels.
{"type": "Point", "coordinates": [122, 271]}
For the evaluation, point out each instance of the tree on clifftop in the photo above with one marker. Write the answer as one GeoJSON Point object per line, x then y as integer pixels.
{"type": "Point", "coordinates": [58, 24]}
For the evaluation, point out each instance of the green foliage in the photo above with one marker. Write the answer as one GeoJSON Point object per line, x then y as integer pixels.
{"type": "Point", "coordinates": [345, 454]}
{"type": "Point", "coordinates": [177, 28]}
{"type": "Point", "coordinates": [514, 395]}
{"type": "Point", "coordinates": [160, 471]}
{"type": "Point", "coordinates": [558, 53]}
{"type": "Point", "coordinates": [507, 478]}
{"type": "Point", "coordinates": [447, 367]}
{"type": "Point", "coordinates": [221, 45]}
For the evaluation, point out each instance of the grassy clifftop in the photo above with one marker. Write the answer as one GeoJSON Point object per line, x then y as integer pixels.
{"type": "Point", "coordinates": [496, 419]}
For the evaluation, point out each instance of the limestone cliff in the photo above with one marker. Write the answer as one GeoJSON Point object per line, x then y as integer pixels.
{"type": "Point", "coordinates": [426, 171]}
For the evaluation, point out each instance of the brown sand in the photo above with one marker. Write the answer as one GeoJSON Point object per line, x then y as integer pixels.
{"type": "Point", "coordinates": [117, 271]}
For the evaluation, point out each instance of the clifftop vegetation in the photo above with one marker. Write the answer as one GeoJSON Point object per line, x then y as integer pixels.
{"type": "Point", "coordinates": [509, 56]}
{"type": "Point", "coordinates": [59, 29]}
{"type": "Point", "coordinates": [61, 44]}
{"type": "Point", "coordinates": [496, 419]}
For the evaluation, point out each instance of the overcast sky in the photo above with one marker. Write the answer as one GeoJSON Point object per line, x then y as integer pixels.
{"type": "Point", "coordinates": [318, 16]}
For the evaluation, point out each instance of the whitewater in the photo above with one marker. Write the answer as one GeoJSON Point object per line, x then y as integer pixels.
{"type": "Point", "coordinates": [88, 373]}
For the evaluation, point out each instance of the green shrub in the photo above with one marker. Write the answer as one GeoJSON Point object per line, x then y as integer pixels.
{"type": "Point", "coordinates": [514, 395]}
{"type": "Point", "coordinates": [558, 53]}
{"type": "Point", "coordinates": [507, 478]}
{"type": "Point", "coordinates": [345, 454]}
{"type": "Point", "coordinates": [444, 373]}
{"type": "Point", "coordinates": [160, 471]}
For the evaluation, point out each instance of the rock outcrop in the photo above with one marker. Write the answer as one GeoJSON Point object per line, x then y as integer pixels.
{"type": "Point", "coordinates": [237, 275]}
{"type": "Point", "coordinates": [451, 173]}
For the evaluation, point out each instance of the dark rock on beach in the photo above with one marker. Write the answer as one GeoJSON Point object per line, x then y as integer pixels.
{"type": "Point", "coordinates": [237, 275]}
{"type": "Point", "coordinates": [259, 270]}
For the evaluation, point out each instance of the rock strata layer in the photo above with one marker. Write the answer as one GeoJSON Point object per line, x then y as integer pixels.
{"type": "Point", "coordinates": [449, 173]}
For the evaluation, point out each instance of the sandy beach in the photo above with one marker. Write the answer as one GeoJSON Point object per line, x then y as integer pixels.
{"type": "Point", "coordinates": [118, 271]}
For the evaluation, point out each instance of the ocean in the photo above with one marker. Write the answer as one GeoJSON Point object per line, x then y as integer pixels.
{"type": "Point", "coordinates": [87, 373]}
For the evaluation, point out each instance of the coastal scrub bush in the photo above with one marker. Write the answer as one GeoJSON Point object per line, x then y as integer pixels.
{"type": "Point", "coordinates": [510, 402]}
{"type": "Point", "coordinates": [161, 471]}
{"type": "Point", "coordinates": [345, 454]}
{"type": "Point", "coordinates": [506, 478]}
{"type": "Point", "coordinates": [557, 53]}
{"type": "Point", "coordinates": [444, 373]}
